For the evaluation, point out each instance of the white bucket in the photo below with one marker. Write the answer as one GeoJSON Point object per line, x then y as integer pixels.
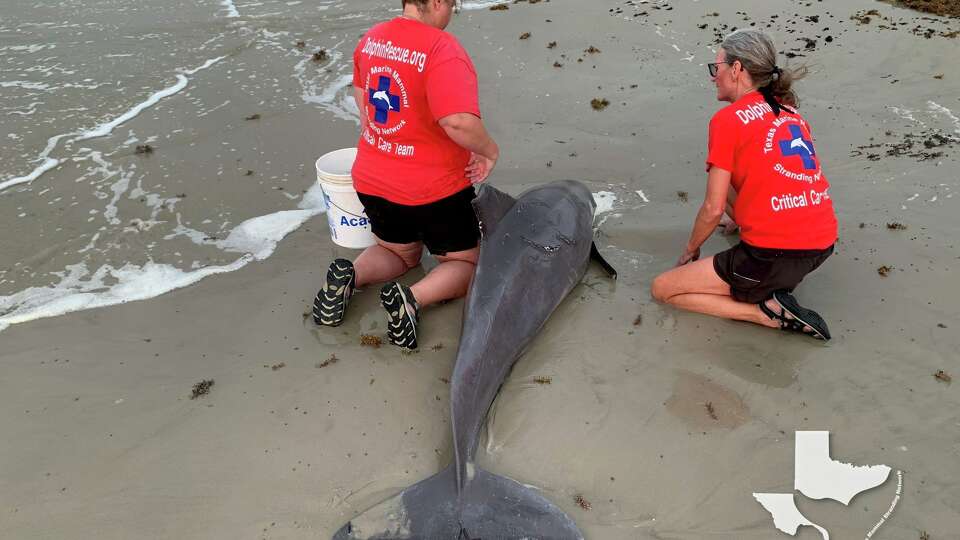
{"type": "Point", "coordinates": [349, 226]}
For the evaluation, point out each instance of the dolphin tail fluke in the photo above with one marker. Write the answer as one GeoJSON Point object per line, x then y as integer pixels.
{"type": "Point", "coordinates": [425, 510]}
{"type": "Point", "coordinates": [607, 267]}
{"type": "Point", "coordinates": [493, 506]}
{"type": "Point", "coordinates": [489, 507]}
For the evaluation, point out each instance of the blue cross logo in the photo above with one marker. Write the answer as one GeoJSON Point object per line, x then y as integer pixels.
{"type": "Point", "coordinates": [798, 146]}
{"type": "Point", "coordinates": [383, 101]}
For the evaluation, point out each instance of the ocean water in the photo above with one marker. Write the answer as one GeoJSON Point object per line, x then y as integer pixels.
{"type": "Point", "coordinates": [87, 220]}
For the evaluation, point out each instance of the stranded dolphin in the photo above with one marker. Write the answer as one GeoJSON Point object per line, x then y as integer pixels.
{"type": "Point", "coordinates": [534, 252]}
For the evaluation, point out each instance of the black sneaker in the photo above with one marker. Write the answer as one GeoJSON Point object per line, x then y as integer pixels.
{"type": "Point", "coordinates": [398, 301]}
{"type": "Point", "coordinates": [331, 303]}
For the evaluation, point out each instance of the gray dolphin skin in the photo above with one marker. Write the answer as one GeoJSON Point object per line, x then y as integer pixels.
{"type": "Point", "coordinates": [534, 251]}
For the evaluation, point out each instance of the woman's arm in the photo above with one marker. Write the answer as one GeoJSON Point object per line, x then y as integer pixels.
{"type": "Point", "coordinates": [712, 209]}
{"type": "Point", "coordinates": [358, 96]}
{"type": "Point", "coordinates": [469, 132]}
{"type": "Point", "coordinates": [728, 225]}
{"type": "Point", "coordinates": [731, 202]}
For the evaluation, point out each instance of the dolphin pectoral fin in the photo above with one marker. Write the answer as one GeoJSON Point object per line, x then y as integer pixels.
{"type": "Point", "coordinates": [425, 510]}
{"type": "Point", "coordinates": [497, 507]}
{"type": "Point", "coordinates": [491, 205]}
{"type": "Point", "coordinates": [607, 267]}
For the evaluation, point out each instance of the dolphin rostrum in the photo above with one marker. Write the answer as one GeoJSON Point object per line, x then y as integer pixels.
{"type": "Point", "coordinates": [534, 251]}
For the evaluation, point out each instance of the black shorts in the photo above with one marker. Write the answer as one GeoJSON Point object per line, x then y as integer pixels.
{"type": "Point", "coordinates": [754, 274]}
{"type": "Point", "coordinates": [445, 226]}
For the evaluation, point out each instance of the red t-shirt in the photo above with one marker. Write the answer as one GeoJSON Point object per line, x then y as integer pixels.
{"type": "Point", "coordinates": [783, 199]}
{"type": "Point", "coordinates": [412, 75]}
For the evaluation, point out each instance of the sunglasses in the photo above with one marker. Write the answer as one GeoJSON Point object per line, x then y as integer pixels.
{"type": "Point", "coordinates": [714, 67]}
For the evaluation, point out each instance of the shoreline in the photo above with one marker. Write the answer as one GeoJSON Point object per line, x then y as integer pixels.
{"type": "Point", "coordinates": [303, 428]}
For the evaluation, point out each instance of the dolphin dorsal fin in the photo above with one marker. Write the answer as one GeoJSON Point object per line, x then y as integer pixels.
{"type": "Point", "coordinates": [491, 205]}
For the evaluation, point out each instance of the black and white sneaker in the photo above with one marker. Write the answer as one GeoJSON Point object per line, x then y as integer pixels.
{"type": "Point", "coordinates": [331, 303]}
{"type": "Point", "coordinates": [403, 315]}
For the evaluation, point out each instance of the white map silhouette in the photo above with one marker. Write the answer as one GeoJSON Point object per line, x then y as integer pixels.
{"type": "Point", "coordinates": [786, 516]}
{"type": "Point", "coordinates": [818, 477]}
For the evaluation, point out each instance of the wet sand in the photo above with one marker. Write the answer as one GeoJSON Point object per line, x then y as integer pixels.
{"type": "Point", "coordinates": [102, 438]}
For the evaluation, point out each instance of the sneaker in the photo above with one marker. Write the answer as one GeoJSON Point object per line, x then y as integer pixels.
{"type": "Point", "coordinates": [331, 303]}
{"type": "Point", "coordinates": [403, 314]}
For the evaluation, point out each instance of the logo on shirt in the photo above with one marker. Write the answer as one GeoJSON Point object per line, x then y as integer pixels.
{"type": "Point", "coordinates": [383, 101]}
{"type": "Point", "coordinates": [798, 146]}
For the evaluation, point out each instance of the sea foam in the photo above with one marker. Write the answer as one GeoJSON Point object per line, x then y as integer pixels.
{"type": "Point", "coordinates": [605, 201]}
{"type": "Point", "coordinates": [482, 4]}
{"type": "Point", "coordinates": [230, 7]}
{"type": "Point", "coordinates": [79, 289]}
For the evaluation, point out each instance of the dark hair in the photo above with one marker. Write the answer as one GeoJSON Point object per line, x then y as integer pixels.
{"type": "Point", "coordinates": [758, 55]}
{"type": "Point", "coordinates": [422, 4]}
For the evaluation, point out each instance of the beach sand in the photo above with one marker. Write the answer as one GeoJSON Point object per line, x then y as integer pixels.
{"type": "Point", "coordinates": [101, 438]}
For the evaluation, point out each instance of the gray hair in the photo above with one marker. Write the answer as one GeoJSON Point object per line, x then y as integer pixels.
{"type": "Point", "coordinates": [758, 56]}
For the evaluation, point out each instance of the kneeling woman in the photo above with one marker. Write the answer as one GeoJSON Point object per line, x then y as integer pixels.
{"type": "Point", "coordinates": [780, 198]}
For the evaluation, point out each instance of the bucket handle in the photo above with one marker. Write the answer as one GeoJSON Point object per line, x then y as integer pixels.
{"type": "Point", "coordinates": [345, 211]}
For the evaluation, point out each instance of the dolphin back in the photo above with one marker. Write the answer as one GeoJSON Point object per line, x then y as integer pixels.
{"type": "Point", "coordinates": [491, 507]}
{"type": "Point", "coordinates": [535, 254]}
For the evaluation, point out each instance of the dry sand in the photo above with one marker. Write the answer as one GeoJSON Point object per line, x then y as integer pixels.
{"type": "Point", "coordinates": [101, 438]}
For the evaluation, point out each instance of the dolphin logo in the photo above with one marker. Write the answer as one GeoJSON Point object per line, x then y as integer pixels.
{"type": "Point", "coordinates": [796, 143]}
{"type": "Point", "coordinates": [382, 94]}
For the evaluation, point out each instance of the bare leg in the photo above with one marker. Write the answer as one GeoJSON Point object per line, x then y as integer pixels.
{"type": "Point", "coordinates": [697, 287]}
{"type": "Point", "coordinates": [450, 279]}
{"type": "Point", "coordinates": [386, 261]}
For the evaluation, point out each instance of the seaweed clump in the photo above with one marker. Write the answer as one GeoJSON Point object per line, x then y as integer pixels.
{"type": "Point", "coordinates": [328, 362]}
{"type": "Point", "coordinates": [599, 104]}
{"type": "Point", "coordinates": [944, 8]}
{"type": "Point", "coordinates": [368, 340]}
{"type": "Point", "coordinates": [202, 388]}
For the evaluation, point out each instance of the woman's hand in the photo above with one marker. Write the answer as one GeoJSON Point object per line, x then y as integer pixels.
{"type": "Point", "coordinates": [479, 168]}
{"type": "Point", "coordinates": [688, 256]}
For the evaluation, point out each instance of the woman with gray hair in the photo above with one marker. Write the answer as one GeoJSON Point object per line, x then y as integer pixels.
{"type": "Point", "coordinates": [761, 147]}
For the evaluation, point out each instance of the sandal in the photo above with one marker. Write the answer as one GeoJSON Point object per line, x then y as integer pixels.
{"type": "Point", "coordinates": [800, 319]}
